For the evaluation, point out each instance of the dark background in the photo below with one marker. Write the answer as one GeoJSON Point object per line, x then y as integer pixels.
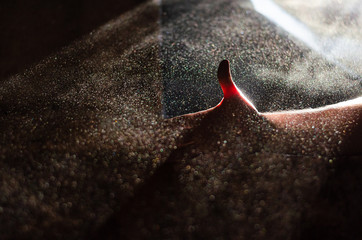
{"type": "Point", "coordinates": [33, 29]}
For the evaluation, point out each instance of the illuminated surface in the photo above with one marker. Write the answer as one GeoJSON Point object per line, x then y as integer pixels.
{"type": "Point", "coordinates": [86, 152]}
{"type": "Point", "coordinates": [340, 49]}
{"type": "Point", "coordinates": [289, 23]}
{"type": "Point", "coordinates": [337, 25]}
{"type": "Point", "coordinates": [274, 70]}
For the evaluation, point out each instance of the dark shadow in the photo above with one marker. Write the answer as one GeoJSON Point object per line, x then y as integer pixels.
{"type": "Point", "coordinates": [337, 212]}
{"type": "Point", "coordinates": [148, 206]}
{"type": "Point", "coordinates": [31, 30]}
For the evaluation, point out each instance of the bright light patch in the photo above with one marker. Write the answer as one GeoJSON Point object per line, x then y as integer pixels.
{"type": "Point", "coordinates": [290, 24]}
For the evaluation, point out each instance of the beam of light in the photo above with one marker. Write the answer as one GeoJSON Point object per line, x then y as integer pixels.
{"type": "Point", "coordinates": [290, 24]}
{"type": "Point", "coordinates": [326, 47]}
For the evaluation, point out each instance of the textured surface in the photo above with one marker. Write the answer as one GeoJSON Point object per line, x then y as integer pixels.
{"type": "Point", "coordinates": [275, 70]}
{"type": "Point", "coordinates": [81, 129]}
{"type": "Point", "coordinates": [85, 151]}
{"type": "Point", "coordinates": [240, 174]}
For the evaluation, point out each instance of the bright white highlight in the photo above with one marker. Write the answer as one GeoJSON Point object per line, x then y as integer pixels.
{"type": "Point", "coordinates": [341, 51]}
{"type": "Point", "coordinates": [290, 24]}
{"type": "Point", "coordinates": [345, 104]}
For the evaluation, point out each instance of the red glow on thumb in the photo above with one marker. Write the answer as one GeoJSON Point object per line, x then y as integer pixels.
{"type": "Point", "coordinates": [228, 86]}
{"type": "Point", "coordinates": [225, 80]}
